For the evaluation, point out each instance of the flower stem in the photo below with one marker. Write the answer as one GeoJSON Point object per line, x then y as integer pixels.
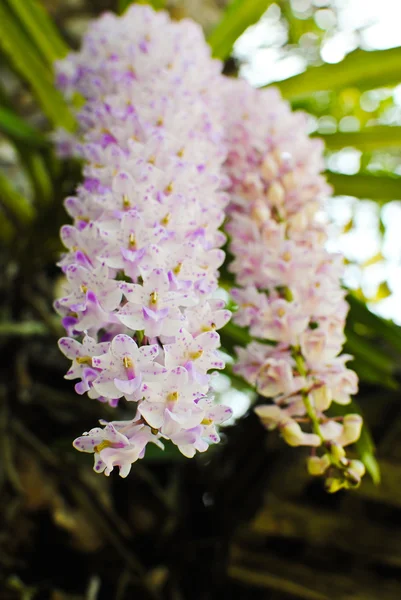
{"type": "Point", "coordinates": [310, 411]}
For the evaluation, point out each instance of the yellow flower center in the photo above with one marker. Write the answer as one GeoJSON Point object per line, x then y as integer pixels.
{"type": "Point", "coordinates": [210, 327]}
{"type": "Point", "coordinates": [84, 360]}
{"type": "Point", "coordinates": [132, 241]}
{"type": "Point", "coordinates": [153, 298]}
{"type": "Point", "coordinates": [165, 220]}
{"type": "Point", "coordinates": [104, 444]}
{"type": "Point", "coordinates": [128, 362]}
{"type": "Point", "coordinates": [168, 189]}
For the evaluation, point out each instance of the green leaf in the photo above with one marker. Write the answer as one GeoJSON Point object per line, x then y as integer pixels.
{"type": "Point", "coordinates": [373, 362]}
{"type": "Point", "coordinates": [6, 229]}
{"type": "Point", "coordinates": [362, 69]}
{"type": "Point", "coordinates": [381, 188]}
{"type": "Point", "coordinates": [40, 177]}
{"type": "Point", "coordinates": [41, 28]}
{"type": "Point", "coordinates": [238, 16]}
{"type": "Point", "coordinates": [372, 375]}
{"type": "Point", "coordinates": [367, 140]}
{"type": "Point", "coordinates": [156, 4]}
{"type": "Point", "coordinates": [169, 454]}
{"type": "Point", "coordinates": [360, 315]}
{"type": "Point", "coordinates": [234, 334]}
{"type": "Point", "coordinates": [24, 328]}
{"type": "Point", "coordinates": [365, 448]}
{"type": "Point", "coordinates": [17, 129]}
{"type": "Point", "coordinates": [122, 5]}
{"type": "Point", "coordinates": [28, 141]}
{"type": "Point", "coordinates": [231, 335]}
{"type": "Point", "coordinates": [28, 62]}
{"type": "Point", "coordinates": [14, 204]}
{"type": "Point", "coordinates": [369, 352]}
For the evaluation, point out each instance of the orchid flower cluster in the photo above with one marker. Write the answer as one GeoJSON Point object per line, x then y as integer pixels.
{"type": "Point", "coordinates": [139, 304]}
{"type": "Point", "coordinates": [164, 136]}
{"type": "Point", "coordinates": [289, 293]}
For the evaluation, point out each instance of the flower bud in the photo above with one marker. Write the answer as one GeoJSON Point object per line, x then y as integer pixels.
{"type": "Point", "coordinates": [321, 397]}
{"type": "Point", "coordinates": [352, 428]}
{"type": "Point", "coordinates": [337, 451]}
{"type": "Point", "coordinates": [352, 480]}
{"type": "Point", "coordinates": [333, 485]}
{"type": "Point", "coordinates": [357, 467]}
{"type": "Point", "coordinates": [294, 436]}
{"type": "Point", "coordinates": [317, 465]}
{"type": "Point", "coordinates": [276, 194]}
{"type": "Point", "coordinates": [275, 377]}
{"type": "Point", "coordinates": [270, 415]}
{"type": "Point", "coordinates": [269, 168]}
{"type": "Point", "coordinates": [289, 180]}
{"type": "Point", "coordinates": [260, 212]}
{"type": "Point", "coordinates": [331, 430]}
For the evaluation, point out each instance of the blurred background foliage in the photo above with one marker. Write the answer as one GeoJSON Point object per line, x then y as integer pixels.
{"type": "Point", "coordinates": [245, 520]}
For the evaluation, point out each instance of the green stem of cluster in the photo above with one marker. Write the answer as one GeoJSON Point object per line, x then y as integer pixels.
{"type": "Point", "coordinates": [310, 410]}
